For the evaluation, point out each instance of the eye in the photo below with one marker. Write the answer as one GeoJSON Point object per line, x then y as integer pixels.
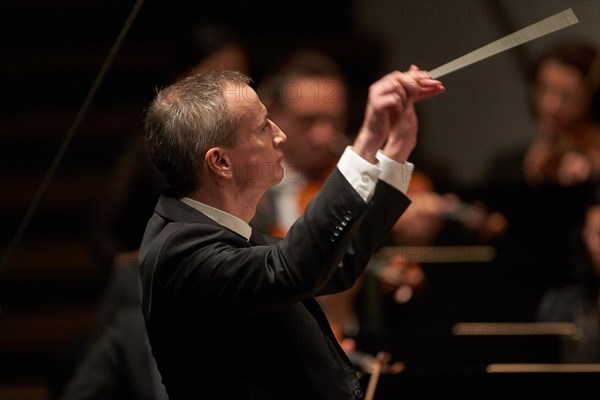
{"type": "Point", "coordinates": [267, 126]}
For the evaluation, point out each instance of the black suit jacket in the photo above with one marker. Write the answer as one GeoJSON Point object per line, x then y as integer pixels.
{"type": "Point", "coordinates": [232, 319]}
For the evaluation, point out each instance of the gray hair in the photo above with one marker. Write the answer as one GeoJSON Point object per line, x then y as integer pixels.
{"type": "Point", "coordinates": [185, 120]}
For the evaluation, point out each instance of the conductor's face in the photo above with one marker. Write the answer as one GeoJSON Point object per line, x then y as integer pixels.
{"type": "Point", "coordinates": [257, 155]}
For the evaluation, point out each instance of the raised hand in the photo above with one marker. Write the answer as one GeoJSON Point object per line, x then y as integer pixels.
{"type": "Point", "coordinates": [390, 113]}
{"type": "Point", "coordinates": [402, 138]}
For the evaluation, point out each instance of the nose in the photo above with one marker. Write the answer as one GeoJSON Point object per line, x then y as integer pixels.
{"type": "Point", "coordinates": [550, 102]}
{"type": "Point", "coordinates": [279, 136]}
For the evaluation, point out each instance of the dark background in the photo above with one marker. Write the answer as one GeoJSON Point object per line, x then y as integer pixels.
{"type": "Point", "coordinates": [51, 52]}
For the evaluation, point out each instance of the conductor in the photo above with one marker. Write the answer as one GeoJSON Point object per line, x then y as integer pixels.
{"type": "Point", "coordinates": [229, 312]}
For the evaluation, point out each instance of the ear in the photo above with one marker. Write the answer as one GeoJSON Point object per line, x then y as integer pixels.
{"type": "Point", "coordinates": [219, 163]}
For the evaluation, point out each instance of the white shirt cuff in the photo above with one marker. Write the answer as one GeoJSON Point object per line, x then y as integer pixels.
{"type": "Point", "coordinates": [394, 173]}
{"type": "Point", "coordinates": [361, 174]}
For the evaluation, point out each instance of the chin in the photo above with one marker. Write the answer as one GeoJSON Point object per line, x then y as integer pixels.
{"type": "Point", "coordinates": [277, 176]}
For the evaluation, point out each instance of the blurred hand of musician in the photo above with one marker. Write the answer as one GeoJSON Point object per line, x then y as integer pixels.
{"type": "Point", "coordinates": [401, 278]}
{"type": "Point", "coordinates": [424, 219]}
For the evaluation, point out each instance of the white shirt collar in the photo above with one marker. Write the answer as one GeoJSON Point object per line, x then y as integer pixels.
{"type": "Point", "coordinates": [221, 217]}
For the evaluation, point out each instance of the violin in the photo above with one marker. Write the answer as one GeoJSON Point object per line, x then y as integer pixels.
{"type": "Point", "coordinates": [566, 159]}
{"type": "Point", "coordinates": [423, 220]}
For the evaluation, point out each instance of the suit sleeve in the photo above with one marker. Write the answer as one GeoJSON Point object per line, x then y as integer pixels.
{"type": "Point", "coordinates": [386, 207]}
{"type": "Point", "coordinates": [221, 273]}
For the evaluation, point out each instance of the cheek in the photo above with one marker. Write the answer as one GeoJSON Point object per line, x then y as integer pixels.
{"type": "Point", "coordinates": [324, 138]}
{"type": "Point", "coordinates": [270, 173]}
{"type": "Point", "coordinates": [248, 172]}
{"type": "Point", "coordinates": [248, 165]}
{"type": "Point", "coordinates": [546, 104]}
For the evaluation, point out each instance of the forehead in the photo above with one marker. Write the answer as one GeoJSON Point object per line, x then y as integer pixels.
{"type": "Point", "coordinates": [554, 73]}
{"type": "Point", "coordinates": [243, 101]}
